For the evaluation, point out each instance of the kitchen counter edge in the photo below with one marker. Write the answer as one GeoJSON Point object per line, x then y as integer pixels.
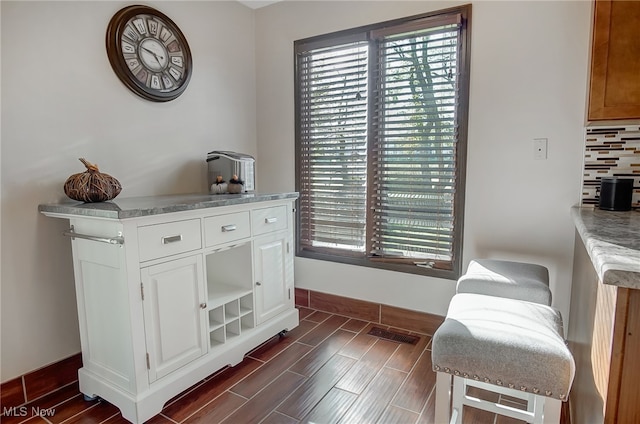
{"type": "Point", "coordinates": [134, 207]}
{"type": "Point", "coordinates": [612, 240]}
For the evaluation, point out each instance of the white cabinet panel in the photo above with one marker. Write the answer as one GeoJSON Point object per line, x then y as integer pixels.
{"type": "Point", "coordinates": [103, 308]}
{"type": "Point", "coordinates": [174, 314]}
{"type": "Point", "coordinates": [273, 273]}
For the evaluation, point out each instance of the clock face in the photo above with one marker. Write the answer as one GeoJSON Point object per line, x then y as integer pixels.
{"type": "Point", "coordinates": [149, 53]}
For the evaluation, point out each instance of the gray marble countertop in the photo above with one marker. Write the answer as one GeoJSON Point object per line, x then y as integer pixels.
{"type": "Point", "coordinates": [133, 207]}
{"type": "Point", "coordinates": [612, 240]}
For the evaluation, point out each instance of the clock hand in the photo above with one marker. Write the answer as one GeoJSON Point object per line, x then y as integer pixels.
{"type": "Point", "coordinates": [155, 55]}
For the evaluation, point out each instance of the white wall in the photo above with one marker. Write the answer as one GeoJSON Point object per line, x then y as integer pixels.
{"type": "Point", "coordinates": [528, 80]}
{"type": "Point", "coordinates": [60, 101]}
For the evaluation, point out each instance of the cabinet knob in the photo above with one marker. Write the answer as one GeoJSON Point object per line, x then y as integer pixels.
{"type": "Point", "coordinates": [258, 283]}
{"type": "Point", "coordinates": [203, 306]}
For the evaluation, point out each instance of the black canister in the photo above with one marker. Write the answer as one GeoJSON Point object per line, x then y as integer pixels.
{"type": "Point", "coordinates": [615, 194]}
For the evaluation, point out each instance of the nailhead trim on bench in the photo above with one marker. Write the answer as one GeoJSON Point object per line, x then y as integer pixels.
{"type": "Point", "coordinates": [533, 390]}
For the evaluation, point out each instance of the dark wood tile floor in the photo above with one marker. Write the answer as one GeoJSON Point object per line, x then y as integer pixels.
{"type": "Point", "coordinates": [327, 370]}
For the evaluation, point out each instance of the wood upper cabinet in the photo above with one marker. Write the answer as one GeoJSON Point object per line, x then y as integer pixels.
{"type": "Point", "coordinates": [615, 62]}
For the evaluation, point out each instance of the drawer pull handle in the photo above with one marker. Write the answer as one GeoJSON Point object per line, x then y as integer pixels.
{"type": "Point", "coordinates": [171, 239]}
{"type": "Point", "coordinates": [270, 220]}
{"type": "Point", "coordinates": [228, 228]}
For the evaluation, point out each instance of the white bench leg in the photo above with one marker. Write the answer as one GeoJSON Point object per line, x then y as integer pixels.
{"type": "Point", "coordinates": [443, 397]}
{"type": "Point", "coordinates": [540, 409]}
{"type": "Point", "coordinates": [457, 399]}
{"type": "Point", "coordinates": [552, 410]}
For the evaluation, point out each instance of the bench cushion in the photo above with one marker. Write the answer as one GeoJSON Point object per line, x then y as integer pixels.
{"type": "Point", "coordinates": [505, 342]}
{"type": "Point", "coordinates": [515, 280]}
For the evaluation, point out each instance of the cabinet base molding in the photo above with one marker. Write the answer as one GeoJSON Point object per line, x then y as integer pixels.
{"type": "Point", "coordinates": [141, 408]}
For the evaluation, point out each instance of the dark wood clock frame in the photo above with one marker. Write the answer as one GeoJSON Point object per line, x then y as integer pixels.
{"type": "Point", "coordinates": [132, 78]}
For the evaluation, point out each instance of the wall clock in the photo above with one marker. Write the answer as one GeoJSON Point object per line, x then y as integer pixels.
{"type": "Point", "coordinates": [149, 53]}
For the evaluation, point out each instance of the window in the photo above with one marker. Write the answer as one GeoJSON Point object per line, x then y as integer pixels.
{"type": "Point", "coordinates": [381, 124]}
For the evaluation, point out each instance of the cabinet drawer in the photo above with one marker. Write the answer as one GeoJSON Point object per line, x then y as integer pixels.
{"type": "Point", "coordinates": [158, 241]}
{"type": "Point", "coordinates": [226, 228]}
{"type": "Point", "coordinates": [269, 219]}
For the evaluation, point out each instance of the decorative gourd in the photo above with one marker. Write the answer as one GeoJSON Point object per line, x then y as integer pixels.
{"type": "Point", "coordinates": [220, 186]}
{"type": "Point", "coordinates": [91, 185]}
{"type": "Point", "coordinates": [235, 185]}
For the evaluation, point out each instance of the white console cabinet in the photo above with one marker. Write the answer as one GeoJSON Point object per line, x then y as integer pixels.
{"type": "Point", "coordinates": [171, 289]}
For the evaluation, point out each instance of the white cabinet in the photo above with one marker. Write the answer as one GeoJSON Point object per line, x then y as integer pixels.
{"type": "Point", "coordinates": [273, 257]}
{"type": "Point", "coordinates": [273, 261]}
{"type": "Point", "coordinates": [174, 307]}
{"type": "Point", "coordinates": [173, 297]}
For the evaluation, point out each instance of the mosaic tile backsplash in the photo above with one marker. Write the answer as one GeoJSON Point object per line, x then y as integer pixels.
{"type": "Point", "coordinates": [611, 152]}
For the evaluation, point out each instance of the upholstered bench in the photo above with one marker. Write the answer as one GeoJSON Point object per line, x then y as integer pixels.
{"type": "Point", "coordinates": [502, 345]}
{"type": "Point", "coordinates": [515, 280]}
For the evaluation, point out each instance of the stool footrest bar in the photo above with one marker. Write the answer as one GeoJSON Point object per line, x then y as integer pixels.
{"type": "Point", "coordinates": [495, 407]}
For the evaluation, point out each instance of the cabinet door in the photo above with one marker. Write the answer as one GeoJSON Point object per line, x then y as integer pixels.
{"type": "Point", "coordinates": [273, 261]}
{"type": "Point", "coordinates": [174, 314]}
{"type": "Point", "coordinates": [615, 61]}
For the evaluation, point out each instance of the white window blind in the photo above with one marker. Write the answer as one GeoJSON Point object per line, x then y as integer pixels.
{"type": "Point", "coordinates": [380, 139]}
{"type": "Point", "coordinates": [333, 148]}
{"type": "Point", "coordinates": [414, 144]}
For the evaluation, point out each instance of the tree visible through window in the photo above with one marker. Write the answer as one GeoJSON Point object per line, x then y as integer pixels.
{"type": "Point", "coordinates": [380, 140]}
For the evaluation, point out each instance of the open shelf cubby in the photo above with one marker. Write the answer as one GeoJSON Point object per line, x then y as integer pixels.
{"type": "Point", "coordinates": [216, 318]}
{"type": "Point", "coordinates": [231, 319]}
{"type": "Point", "coordinates": [230, 293]}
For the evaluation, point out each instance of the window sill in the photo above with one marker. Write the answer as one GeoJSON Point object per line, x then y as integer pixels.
{"type": "Point", "coordinates": [396, 267]}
